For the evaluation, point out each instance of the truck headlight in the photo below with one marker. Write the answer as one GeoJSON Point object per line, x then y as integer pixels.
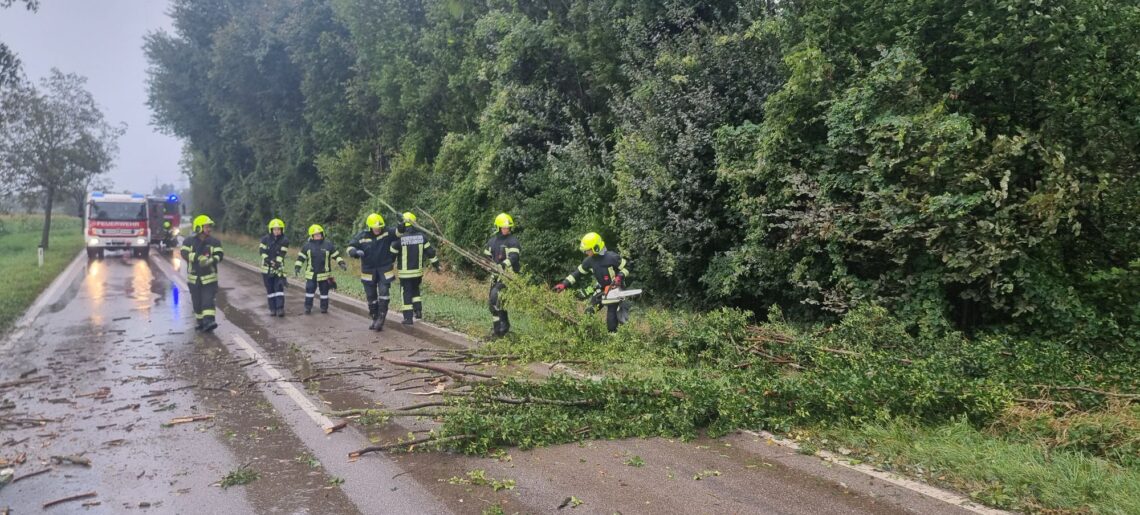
{"type": "Point", "coordinates": [141, 241]}
{"type": "Point", "coordinates": [93, 242]}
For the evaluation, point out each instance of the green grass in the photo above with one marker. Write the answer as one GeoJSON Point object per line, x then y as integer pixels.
{"type": "Point", "coordinates": [23, 280]}
{"type": "Point", "coordinates": [449, 300]}
{"type": "Point", "coordinates": [1016, 475]}
{"type": "Point", "coordinates": [241, 476]}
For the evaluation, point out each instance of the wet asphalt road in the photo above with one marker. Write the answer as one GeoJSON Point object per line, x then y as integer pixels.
{"type": "Point", "coordinates": [120, 361]}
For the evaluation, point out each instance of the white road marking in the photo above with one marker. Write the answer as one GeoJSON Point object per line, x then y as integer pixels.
{"type": "Point", "coordinates": [45, 298]}
{"type": "Point", "coordinates": [290, 389]}
{"type": "Point", "coordinates": [894, 479]}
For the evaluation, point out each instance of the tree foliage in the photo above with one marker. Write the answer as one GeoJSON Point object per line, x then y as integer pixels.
{"type": "Point", "coordinates": [963, 164]}
{"type": "Point", "coordinates": [53, 138]}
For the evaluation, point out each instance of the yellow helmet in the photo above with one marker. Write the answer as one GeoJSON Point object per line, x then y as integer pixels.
{"type": "Point", "coordinates": [592, 241]}
{"type": "Point", "coordinates": [276, 223]}
{"type": "Point", "coordinates": [166, 224]}
{"type": "Point", "coordinates": [504, 220]}
{"type": "Point", "coordinates": [375, 221]}
{"type": "Point", "coordinates": [201, 221]}
{"type": "Point", "coordinates": [409, 218]}
{"type": "Point", "coordinates": [314, 229]}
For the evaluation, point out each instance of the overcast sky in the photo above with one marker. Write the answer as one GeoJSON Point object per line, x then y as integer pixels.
{"type": "Point", "coordinates": [102, 40]}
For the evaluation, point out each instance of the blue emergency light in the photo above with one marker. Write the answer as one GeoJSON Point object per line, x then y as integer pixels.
{"type": "Point", "coordinates": [172, 198]}
{"type": "Point", "coordinates": [97, 194]}
{"type": "Point", "coordinates": [137, 195]}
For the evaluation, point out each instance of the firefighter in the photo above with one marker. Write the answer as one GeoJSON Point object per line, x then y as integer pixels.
{"type": "Point", "coordinates": [317, 256]}
{"type": "Point", "coordinates": [609, 270]}
{"type": "Point", "coordinates": [274, 247]}
{"type": "Point", "coordinates": [412, 251]}
{"type": "Point", "coordinates": [372, 247]}
{"type": "Point", "coordinates": [168, 239]}
{"type": "Point", "coordinates": [503, 250]}
{"type": "Point", "coordinates": [202, 253]}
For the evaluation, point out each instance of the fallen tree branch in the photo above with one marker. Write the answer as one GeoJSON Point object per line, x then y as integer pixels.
{"type": "Point", "coordinates": [74, 459]}
{"type": "Point", "coordinates": [452, 373]}
{"type": "Point", "coordinates": [1087, 390]}
{"type": "Point", "coordinates": [20, 382]}
{"type": "Point", "coordinates": [191, 418]}
{"type": "Point", "coordinates": [1047, 402]}
{"type": "Point", "coordinates": [411, 443]}
{"type": "Point", "coordinates": [32, 474]}
{"type": "Point", "coordinates": [79, 497]}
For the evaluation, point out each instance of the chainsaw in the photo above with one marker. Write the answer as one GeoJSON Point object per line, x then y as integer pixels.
{"type": "Point", "coordinates": [616, 293]}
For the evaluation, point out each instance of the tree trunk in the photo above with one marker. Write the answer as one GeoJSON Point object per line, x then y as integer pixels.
{"type": "Point", "coordinates": [47, 217]}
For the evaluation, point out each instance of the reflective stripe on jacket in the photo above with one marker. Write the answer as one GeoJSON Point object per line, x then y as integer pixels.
{"type": "Point", "coordinates": [413, 252]}
{"type": "Point", "coordinates": [202, 255]}
{"type": "Point", "coordinates": [316, 257]}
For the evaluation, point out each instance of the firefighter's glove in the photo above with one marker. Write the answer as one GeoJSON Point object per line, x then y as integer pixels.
{"type": "Point", "coordinates": [559, 287]}
{"type": "Point", "coordinates": [204, 260]}
{"type": "Point", "coordinates": [435, 266]}
{"type": "Point", "coordinates": [343, 266]}
{"type": "Point", "coordinates": [355, 253]}
{"type": "Point", "coordinates": [617, 281]}
{"type": "Point", "coordinates": [296, 271]}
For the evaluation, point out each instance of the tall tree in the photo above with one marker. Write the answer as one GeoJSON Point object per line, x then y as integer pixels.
{"type": "Point", "coordinates": [52, 138]}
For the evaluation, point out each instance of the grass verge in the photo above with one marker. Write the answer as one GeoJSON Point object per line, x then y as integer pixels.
{"type": "Point", "coordinates": [22, 279]}
{"type": "Point", "coordinates": [999, 471]}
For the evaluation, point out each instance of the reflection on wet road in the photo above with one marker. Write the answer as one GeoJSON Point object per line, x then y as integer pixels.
{"type": "Point", "coordinates": [119, 361]}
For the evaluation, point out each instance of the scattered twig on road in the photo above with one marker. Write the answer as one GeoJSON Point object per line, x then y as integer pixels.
{"type": "Point", "coordinates": [158, 393]}
{"type": "Point", "coordinates": [410, 443]}
{"type": "Point", "coordinates": [28, 373]}
{"type": "Point", "coordinates": [74, 459]}
{"type": "Point", "coordinates": [21, 382]}
{"type": "Point", "coordinates": [191, 418]}
{"type": "Point", "coordinates": [336, 427]}
{"type": "Point", "coordinates": [79, 497]}
{"type": "Point", "coordinates": [414, 378]}
{"type": "Point", "coordinates": [100, 393]}
{"type": "Point", "coordinates": [11, 443]}
{"type": "Point", "coordinates": [449, 372]}
{"type": "Point", "coordinates": [32, 474]}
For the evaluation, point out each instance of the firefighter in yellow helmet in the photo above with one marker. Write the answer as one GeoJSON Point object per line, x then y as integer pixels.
{"type": "Point", "coordinates": [317, 256]}
{"type": "Point", "coordinates": [503, 250]}
{"type": "Point", "coordinates": [608, 269]}
{"type": "Point", "coordinates": [413, 252]}
{"type": "Point", "coordinates": [202, 253]}
{"type": "Point", "coordinates": [372, 247]}
{"type": "Point", "coordinates": [274, 247]}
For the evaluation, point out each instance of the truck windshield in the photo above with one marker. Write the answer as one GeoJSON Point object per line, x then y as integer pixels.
{"type": "Point", "coordinates": [116, 211]}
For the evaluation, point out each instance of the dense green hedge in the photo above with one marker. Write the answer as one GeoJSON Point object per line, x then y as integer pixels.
{"type": "Point", "coordinates": [966, 164]}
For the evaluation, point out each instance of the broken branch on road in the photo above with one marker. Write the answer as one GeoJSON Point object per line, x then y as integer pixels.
{"type": "Point", "coordinates": [79, 497]}
{"type": "Point", "coordinates": [74, 459]}
{"type": "Point", "coordinates": [192, 418]}
{"type": "Point", "coordinates": [409, 444]}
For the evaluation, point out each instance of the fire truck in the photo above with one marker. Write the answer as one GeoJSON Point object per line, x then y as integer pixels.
{"type": "Point", "coordinates": [164, 209]}
{"type": "Point", "coordinates": [117, 221]}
